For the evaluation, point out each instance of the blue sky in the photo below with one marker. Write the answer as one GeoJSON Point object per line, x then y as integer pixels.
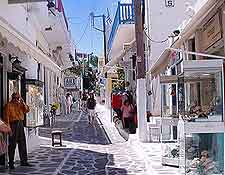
{"type": "Point", "coordinates": [78, 13]}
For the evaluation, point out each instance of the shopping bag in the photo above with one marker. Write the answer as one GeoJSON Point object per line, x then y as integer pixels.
{"type": "Point", "coordinates": [3, 145]}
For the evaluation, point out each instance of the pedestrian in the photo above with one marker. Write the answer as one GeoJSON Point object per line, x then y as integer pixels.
{"type": "Point", "coordinates": [13, 116]}
{"type": "Point", "coordinates": [84, 101]}
{"type": "Point", "coordinates": [128, 113]}
{"type": "Point", "coordinates": [63, 105]}
{"type": "Point", "coordinates": [117, 104]}
{"type": "Point", "coordinates": [91, 104]}
{"type": "Point", "coordinates": [69, 101]}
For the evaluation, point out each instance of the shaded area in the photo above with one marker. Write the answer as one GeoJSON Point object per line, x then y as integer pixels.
{"type": "Point", "coordinates": [79, 131]}
{"type": "Point", "coordinates": [44, 161]}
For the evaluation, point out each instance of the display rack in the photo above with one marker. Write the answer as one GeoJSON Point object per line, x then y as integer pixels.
{"type": "Point", "coordinates": [201, 123]}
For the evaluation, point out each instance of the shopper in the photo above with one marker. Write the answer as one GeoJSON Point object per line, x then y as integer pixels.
{"type": "Point", "coordinates": [128, 114]}
{"type": "Point", "coordinates": [84, 101]}
{"type": "Point", "coordinates": [13, 116]}
{"type": "Point", "coordinates": [91, 104]}
{"type": "Point", "coordinates": [63, 105]}
{"type": "Point", "coordinates": [117, 104]}
{"type": "Point", "coordinates": [69, 101]}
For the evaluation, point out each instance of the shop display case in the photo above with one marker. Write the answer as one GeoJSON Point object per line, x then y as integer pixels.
{"type": "Point", "coordinates": [35, 101]}
{"type": "Point", "coordinates": [169, 121]}
{"type": "Point", "coordinates": [201, 126]}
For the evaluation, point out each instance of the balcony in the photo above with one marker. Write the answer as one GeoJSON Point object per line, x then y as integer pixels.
{"type": "Point", "coordinates": [123, 25]}
{"type": "Point", "coordinates": [60, 8]}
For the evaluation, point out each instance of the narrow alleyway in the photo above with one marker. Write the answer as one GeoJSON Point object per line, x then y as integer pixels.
{"type": "Point", "coordinates": [87, 151]}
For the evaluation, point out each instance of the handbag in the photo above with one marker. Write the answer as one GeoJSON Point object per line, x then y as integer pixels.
{"type": "Point", "coordinates": [3, 145]}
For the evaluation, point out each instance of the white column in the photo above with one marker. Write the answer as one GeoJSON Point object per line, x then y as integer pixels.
{"type": "Point", "coordinates": [141, 110]}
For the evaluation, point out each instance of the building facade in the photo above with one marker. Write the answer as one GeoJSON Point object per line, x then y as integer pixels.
{"type": "Point", "coordinates": [35, 43]}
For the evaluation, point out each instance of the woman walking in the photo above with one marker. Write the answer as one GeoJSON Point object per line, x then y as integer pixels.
{"type": "Point", "coordinates": [69, 101]}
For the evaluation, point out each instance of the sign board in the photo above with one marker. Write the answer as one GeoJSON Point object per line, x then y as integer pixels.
{"type": "Point", "coordinates": [170, 3]}
{"type": "Point", "coordinates": [211, 32]}
{"type": "Point", "coordinates": [71, 82]}
{"type": "Point", "coordinates": [23, 1]}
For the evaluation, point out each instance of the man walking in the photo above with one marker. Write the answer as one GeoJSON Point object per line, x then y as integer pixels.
{"type": "Point", "coordinates": [91, 103]}
{"type": "Point", "coordinates": [13, 117]}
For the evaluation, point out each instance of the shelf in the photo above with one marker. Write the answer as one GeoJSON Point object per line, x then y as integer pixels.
{"type": "Point", "coordinates": [204, 127]}
{"type": "Point", "coordinates": [170, 161]}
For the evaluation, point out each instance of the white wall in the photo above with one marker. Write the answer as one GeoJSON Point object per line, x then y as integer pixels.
{"type": "Point", "coordinates": [163, 21]}
{"type": "Point", "coordinates": [18, 17]}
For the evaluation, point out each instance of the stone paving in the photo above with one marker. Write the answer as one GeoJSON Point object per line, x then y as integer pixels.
{"type": "Point", "coordinates": [91, 153]}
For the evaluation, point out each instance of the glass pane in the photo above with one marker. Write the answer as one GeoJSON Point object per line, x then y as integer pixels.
{"type": "Point", "coordinates": [204, 154]}
{"type": "Point", "coordinates": [35, 100]}
{"type": "Point", "coordinates": [203, 100]}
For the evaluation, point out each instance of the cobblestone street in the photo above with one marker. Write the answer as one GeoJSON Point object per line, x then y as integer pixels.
{"type": "Point", "coordinates": [89, 152]}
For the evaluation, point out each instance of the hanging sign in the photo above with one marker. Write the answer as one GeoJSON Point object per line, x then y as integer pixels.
{"type": "Point", "coordinates": [211, 32]}
{"type": "Point", "coordinates": [70, 82]}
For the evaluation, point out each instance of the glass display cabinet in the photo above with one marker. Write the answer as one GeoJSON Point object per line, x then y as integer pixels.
{"type": "Point", "coordinates": [201, 125]}
{"type": "Point", "coordinates": [35, 101]}
{"type": "Point", "coordinates": [169, 120]}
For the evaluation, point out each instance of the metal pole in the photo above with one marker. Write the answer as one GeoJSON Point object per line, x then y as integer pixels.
{"type": "Point", "coordinates": [104, 33]}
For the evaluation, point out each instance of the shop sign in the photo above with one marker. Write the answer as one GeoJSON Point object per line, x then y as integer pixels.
{"type": "Point", "coordinates": [70, 82]}
{"type": "Point", "coordinates": [170, 3]}
{"type": "Point", "coordinates": [211, 32]}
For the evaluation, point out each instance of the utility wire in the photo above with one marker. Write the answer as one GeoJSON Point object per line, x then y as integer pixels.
{"type": "Point", "coordinates": [154, 41]}
{"type": "Point", "coordinates": [84, 32]}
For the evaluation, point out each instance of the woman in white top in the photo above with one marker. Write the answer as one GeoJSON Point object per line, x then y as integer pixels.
{"type": "Point", "coordinates": [69, 103]}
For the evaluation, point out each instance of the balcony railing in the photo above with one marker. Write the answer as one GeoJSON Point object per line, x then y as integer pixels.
{"type": "Point", "coordinates": [60, 8]}
{"type": "Point", "coordinates": [124, 15]}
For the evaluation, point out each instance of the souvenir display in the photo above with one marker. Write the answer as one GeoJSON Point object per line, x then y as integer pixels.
{"type": "Point", "coordinates": [35, 101]}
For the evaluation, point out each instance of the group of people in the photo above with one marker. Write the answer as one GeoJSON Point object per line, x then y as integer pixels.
{"type": "Point", "coordinates": [125, 109]}
{"type": "Point", "coordinates": [13, 125]}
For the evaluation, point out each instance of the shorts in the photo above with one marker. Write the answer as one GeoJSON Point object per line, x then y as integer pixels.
{"type": "Point", "coordinates": [91, 112]}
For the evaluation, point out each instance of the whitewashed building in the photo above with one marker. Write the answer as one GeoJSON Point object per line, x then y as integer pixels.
{"type": "Point", "coordinates": [37, 35]}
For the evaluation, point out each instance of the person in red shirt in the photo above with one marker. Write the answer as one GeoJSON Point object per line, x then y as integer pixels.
{"type": "Point", "coordinates": [116, 104]}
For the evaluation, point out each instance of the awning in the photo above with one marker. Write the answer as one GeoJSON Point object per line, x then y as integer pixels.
{"type": "Point", "coordinates": [116, 60]}
{"type": "Point", "coordinates": [196, 20]}
{"type": "Point", "coordinates": [24, 45]}
{"type": "Point", "coordinates": [161, 63]}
